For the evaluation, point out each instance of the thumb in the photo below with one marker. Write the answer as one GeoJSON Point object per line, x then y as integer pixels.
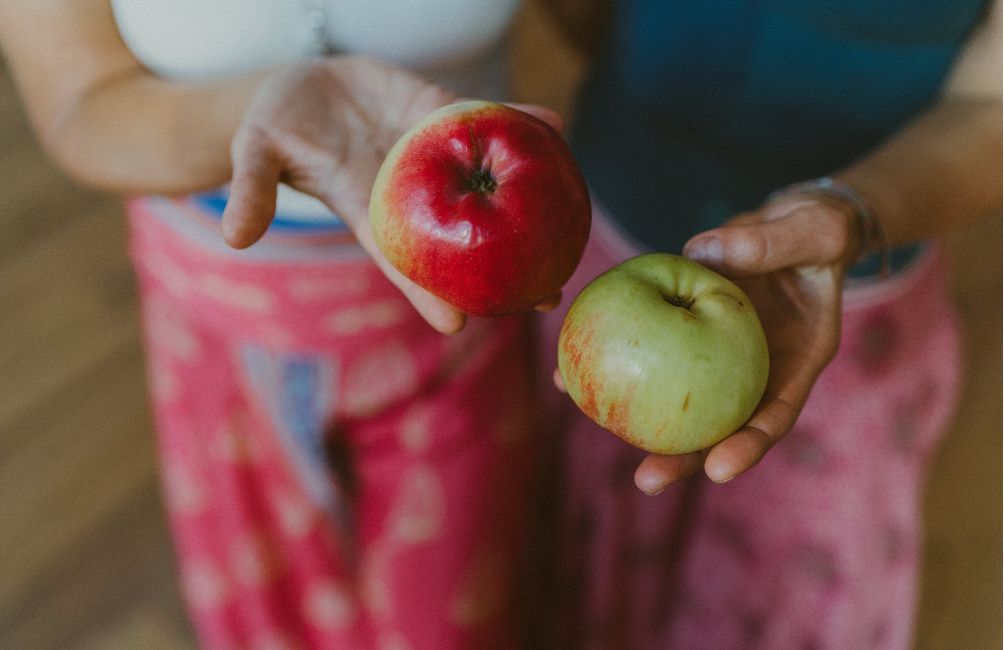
{"type": "Point", "coordinates": [253, 190]}
{"type": "Point", "coordinates": [810, 235]}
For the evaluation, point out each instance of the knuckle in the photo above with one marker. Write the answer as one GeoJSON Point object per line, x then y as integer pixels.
{"type": "Point", "coordinates": [250, 137]}
{"type": "Point", "coordinates": [745, 218]}
{"type": "Point", "coordinates": [438, 96]}
{"type": "Point", "coordinates": [428, 98]}
{"type": "Point", "coordinates": [750, 246]}
{"type": "Point", "coordinates": [842, 242]}
{"type": "Point", "coordinates": [834, 224]}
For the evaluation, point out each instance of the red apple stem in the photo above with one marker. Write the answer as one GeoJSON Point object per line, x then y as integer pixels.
{"type": "Point", "coordinates": [483, 181]}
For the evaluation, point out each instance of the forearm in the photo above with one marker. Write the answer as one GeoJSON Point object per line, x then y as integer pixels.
{"type": "Point", "coordinates": [106, 119]}
{"type": "Point", "coordinates": [135, 133]}
{"type": "Point", "coordinates": [940, 172]}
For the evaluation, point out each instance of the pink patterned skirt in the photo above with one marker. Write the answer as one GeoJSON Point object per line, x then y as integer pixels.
{"type": "Point", "coordinates": [336, 473]}
{"type": "Point", "coordinates": [339, 475]}
{"type": "Point", "coordinates": [818, 546]}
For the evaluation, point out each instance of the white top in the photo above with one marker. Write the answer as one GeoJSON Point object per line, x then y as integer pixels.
{"type": "Point", "coordinates": [456, 43]}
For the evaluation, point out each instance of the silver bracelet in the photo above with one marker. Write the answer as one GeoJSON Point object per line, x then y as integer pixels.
{"type": "Point", "coordinates": [870, 229]}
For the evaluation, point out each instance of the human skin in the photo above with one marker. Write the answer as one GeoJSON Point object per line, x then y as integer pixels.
{"type": "Point", "coordinates": [937, 174]}
{"type": "Point", "coordinates": [113, 126]}
{"type": "Point", "coordinates": [321, 126]}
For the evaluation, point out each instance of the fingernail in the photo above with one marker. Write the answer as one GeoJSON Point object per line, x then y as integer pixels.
{"type": "Point", "coordinates": [232, 235]}
{"type": "Point", "coordinates": [707, 249]}
{"type": "Point", "coordinates": [719, 473]}
{"type": "Point", "coordinates": [652, 488]}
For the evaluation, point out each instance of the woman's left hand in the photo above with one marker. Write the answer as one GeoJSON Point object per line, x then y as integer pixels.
{"type": "Point", "coordinates": [789, 256]}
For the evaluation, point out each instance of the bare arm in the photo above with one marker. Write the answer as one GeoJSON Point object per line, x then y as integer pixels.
{"type": "Point", "coordinates": [941, 171]}
{"type": "Point", "coordinates": [944, 169]}
{"type": "Point", "coordinates": [936, 174]}
{"type": "Point", "coordinates": [105, 119]}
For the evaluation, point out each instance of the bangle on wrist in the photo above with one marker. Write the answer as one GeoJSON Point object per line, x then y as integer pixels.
{"type": "Point", "coordinates": [870, 230]}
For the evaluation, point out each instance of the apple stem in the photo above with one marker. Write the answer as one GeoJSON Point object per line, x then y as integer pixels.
{"type": "Point", "coordinates": [483, 181]}
{"type": "Point", "coordinates": [678, 301]}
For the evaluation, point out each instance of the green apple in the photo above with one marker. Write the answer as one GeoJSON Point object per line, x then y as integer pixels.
{"type": "Point", "coordinates": [665, 353]}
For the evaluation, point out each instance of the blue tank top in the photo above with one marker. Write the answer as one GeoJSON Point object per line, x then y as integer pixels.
{"type": "Point", "coordinates": [696, 110]}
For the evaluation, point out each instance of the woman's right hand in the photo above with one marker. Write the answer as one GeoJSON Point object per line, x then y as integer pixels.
{"type": "Point", "coordinates": [324, 128]}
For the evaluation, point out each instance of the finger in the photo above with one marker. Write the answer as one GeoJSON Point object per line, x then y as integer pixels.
{"type": "Point", "coordinates": [440, 314]}
{"type": "Point", "coordinates": [656, 473]}
{"type": "Point", "coordinates": [744, 449]}
{"type": "Point", "coordinates": [810, 234]}
{"type": "Point", "coordinates": [745, 218]}
{"type": "Point", "coordinates": [549, 303]}
{"type": "Point", "coordinates": [253, 188]}
{"type": "Point", "coordinates": [559, 383]}
{"type": "Point", "coordinates": [431, 97]}
{"type": "Point", "coordinates": [551, 117]}
{"type": "Point", "coordinates": [792, 376]}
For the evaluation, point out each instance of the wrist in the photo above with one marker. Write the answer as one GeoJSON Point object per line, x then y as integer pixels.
{"type": "Point", "coordinates": [868, 230]}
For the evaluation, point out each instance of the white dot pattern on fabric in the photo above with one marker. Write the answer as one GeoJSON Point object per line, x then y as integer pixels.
{"type": "Point", "coordinates": [375, 580]}
{"type": "Point", "coordinates": [184, 494]}
{"type": "Point", "coordinates": [415, 430]}
{"type": "Point", "coordinates": [173, 277]}
{"type": "Point", "coordinates": [419, 510]}
{"type": "Point", "coordinates": [273, 335]}
{"type": "Point", "coordinates": [304, 289]}
{"type": "Point", "coordinates": [274, 640]}
{"type": "Point", "coordinates": [393, 641]}
{"type": "Point", "coordinates": [232, 444]}
{"type": "Point", "coordinates": [373, 316]}
{"type": "Point", "coordinates": [383, 376]}
{"type": "Point", "coordinates": [240, 295]}
{"type": "Point", "coordinates": [296, 516]}
{"type": "Point", "coordinates": [167, 332]}
{"type": "Point", "coordinates": [204, 585]}
{"type": "Point", "coordinates": [165, 386]}
{"type": "Point", "coordinates": [328, 606]}
{"type": "Point", "coordinates": [253, 559]}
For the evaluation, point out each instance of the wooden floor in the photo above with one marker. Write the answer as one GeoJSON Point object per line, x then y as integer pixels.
{"type": "Point", "coordinates": [84, 556]}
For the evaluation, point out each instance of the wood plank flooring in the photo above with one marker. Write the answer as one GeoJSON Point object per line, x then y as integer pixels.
{"type": "Point", "coordinates": [84, 557]}
{"type": "Point", "coordinates": [85, 560]}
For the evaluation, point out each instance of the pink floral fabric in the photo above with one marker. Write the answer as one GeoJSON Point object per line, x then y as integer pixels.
{"type": "Point", "coordinates": [818, 546]}
{"type": "Point", "coordinates": [338, 475]}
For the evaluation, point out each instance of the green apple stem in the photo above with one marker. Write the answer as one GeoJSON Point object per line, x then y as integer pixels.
{"type": "Point", "coordinates": [679, 301]}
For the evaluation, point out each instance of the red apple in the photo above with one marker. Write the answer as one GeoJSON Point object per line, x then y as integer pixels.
{"type": "Point", "coordinates": [484, 206]}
